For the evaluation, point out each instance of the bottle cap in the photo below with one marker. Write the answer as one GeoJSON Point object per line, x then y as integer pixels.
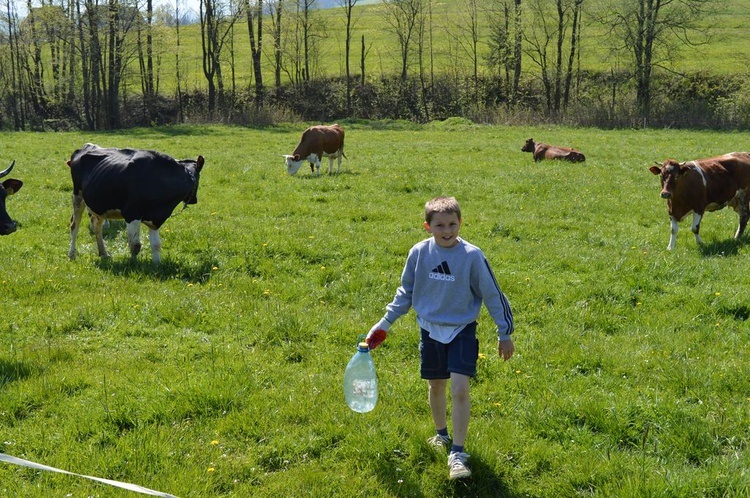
{"type": "Point", "coordinates": [363, 346]}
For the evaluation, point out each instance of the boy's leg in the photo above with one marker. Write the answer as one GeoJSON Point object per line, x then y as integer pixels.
{"type": "Point", "coordinates": [460, 407]}
{"type": "Point", "coordinates": [438, 403]}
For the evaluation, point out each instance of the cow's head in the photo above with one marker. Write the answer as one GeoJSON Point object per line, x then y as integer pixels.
{"type": "Point", "coordinates": [528, 146]}
{"type": "Point", "coordinates": [669, 171]}
{"type": "Point", "coordinates": [195, 167]}
{"type": "Point", "coordinates": [8, 187]}
{"type": "Point", "coordinates": [293, 163]}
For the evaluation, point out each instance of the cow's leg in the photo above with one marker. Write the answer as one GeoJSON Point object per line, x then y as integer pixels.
{"type": "Point", "coordinates": [97, 225]}
{"type": "Point", "coordinates": [338, 165]}
{"type": "Point", "coordinates": [134, 237]}
{"type": "Point", "coordinates": [75, 223]}
{"type": "Point", "coordinates": [696, 228]}
{"type": "Point", "coordinates": [155, 240]}
{"type": "Point", "coordinates": [674, 228]}
{"type": "Point", "coordinates": [316, 164]}
{"type": "Point", "coordinates": [743, 210]}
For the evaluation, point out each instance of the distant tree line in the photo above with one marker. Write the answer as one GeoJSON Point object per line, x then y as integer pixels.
{"type": "Point", "coordinates": [99, 64]}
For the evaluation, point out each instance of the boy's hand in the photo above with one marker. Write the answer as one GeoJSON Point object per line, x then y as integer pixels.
{"type": "Point", "coordinates": [377, 333]}
{"type": "Point", "coordinates": [375, 338]}
{"type": "Point", "coordinates": [506, 349]}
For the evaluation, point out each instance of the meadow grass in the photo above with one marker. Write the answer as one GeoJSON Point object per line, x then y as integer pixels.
{"type": "Point", "coordinates": [219, 372]}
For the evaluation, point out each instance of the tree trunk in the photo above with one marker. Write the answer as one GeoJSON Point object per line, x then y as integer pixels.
{"type": "Point", "coordinates": [256, 47]}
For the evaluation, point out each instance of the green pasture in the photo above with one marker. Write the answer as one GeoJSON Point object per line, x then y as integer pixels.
{"type": "Point", "coordinates": [219, 373]}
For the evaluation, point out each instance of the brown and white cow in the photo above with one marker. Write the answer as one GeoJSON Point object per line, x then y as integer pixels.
{"type": "Point", "coordinates": [316, 143]}
{"type": "Point", "coordinates": [705, 185]}
{"type": "Point", "coordinates": [546, 151]}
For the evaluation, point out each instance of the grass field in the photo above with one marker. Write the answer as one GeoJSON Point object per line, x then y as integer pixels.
{"type": "Point", "coordinates": [219, 373]}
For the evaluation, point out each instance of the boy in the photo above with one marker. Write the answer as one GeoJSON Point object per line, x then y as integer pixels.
{"type": "Point", "coordinates": [446, 279]}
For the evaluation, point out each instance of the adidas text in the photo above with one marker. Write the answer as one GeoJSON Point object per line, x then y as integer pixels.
{"type": "Point", "coordinates": [441, 276]}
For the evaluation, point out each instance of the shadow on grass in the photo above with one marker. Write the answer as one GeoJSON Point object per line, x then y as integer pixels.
{"type": "Point", "coordinates": [727, 247]}
{"type": "Point", "coordinates": [197, 273]}
{"type": "Point", "coordinates": [325, 174]}
{"type": "Point", "coordinates": [11, 371]}
{"type": "Point", "coordinates": [483, 483]}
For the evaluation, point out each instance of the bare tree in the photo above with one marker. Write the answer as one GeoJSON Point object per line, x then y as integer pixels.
{"type": "Point", "coordinates": [403, 16]}
{"type": "Point", "coordinates": [348, 6]}
{"type": "Point", "coordinates": [178, 68]}
{"type": "Point", "coordinates": [652, 31]}
{"type": "Point", "coordinates": [254, 12]}
{"type": "Point", "coordinates": [145, 57]}
{"type": "Point", "coordinates": [16, 93]}
{"type": "Point", "coordinates": [217, 21]}
{"type": "Point", "coordinates": [505, 43]}
{"type": "Point", "coordinates": [91, 62]}
{"type": "Point", "coordinates": [550, 48]}
{"type": "Point", "coordinates": [35, 70]}
{"type": "Point", "coordinates": [277, 10]}
{"type": "Point", "coordinates": [466, 32]}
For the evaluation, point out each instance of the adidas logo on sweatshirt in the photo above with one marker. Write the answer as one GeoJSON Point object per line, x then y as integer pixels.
{"type": "Point", "coordinates": [442, 272]}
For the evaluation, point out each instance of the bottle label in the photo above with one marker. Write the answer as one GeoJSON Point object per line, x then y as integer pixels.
{"type": "Point", "coordinates": [365, 388]}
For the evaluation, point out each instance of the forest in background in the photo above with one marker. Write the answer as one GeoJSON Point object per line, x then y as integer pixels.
{"type": "Point", "coordinates": [84, 64]}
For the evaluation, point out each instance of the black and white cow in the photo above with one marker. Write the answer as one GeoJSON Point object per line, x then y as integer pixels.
{"type": "Point", "coordinates": [140, 186]}
{"type": "Point", "coordinates": [8, 187]}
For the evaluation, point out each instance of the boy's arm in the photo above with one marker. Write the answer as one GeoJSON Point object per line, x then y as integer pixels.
{"type": "Point", "coordinates": [399, 306]}
{"type": "Point", "coordinates": [495, 302]}
{"type": "Point", "coordinates": [402, 300]}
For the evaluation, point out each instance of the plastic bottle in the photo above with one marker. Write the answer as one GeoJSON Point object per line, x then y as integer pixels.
{"type": "Point", "coordinates": [360, 381]}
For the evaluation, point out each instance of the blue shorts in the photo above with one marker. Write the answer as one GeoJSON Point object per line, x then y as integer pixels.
{"type": "Point", "coordinates": [459, 356]}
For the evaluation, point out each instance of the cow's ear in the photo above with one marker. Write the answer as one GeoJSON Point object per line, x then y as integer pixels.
{"type": "Point", "coordinates": [655, 170]}
{"type": "Point", "coordinates": [12, 186]}
{"type": "Point", "coordinates": [199, 162]}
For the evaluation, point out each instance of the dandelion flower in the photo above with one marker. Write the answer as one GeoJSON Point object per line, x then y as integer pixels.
{"type": "Point", "coordinates": [214, 442]}
{"type": "Point", "coordinates": [210, 469]}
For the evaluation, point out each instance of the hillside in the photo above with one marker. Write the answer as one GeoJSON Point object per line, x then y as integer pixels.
{"type": "Point", "coordinates": [728, 50]}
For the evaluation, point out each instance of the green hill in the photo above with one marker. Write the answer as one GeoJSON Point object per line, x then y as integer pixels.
{"type": "Point", "coordinates": [727, 51]}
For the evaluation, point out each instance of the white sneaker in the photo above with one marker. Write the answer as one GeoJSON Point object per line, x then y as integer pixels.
{"type": "Point", "coordinates": [457, 465]}
{"type": "Point", "coordinates": [440, 442]}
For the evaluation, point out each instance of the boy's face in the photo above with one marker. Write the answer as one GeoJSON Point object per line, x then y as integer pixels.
{"type": "Point", "coordinates": [444, 228]}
